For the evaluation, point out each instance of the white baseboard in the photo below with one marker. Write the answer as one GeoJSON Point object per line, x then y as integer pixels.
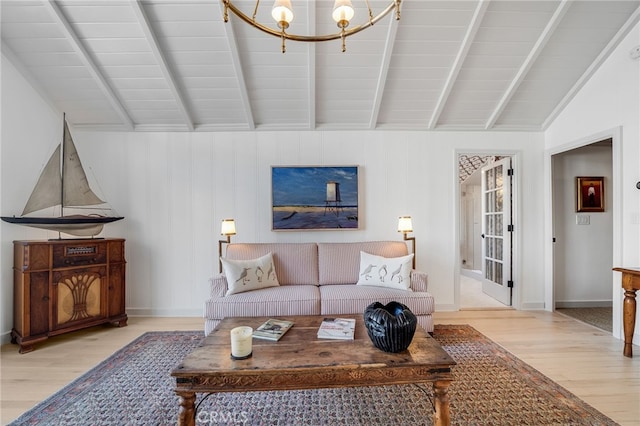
{"type": "Point", "coordinates": [5, 337]}
{"type": "Point", "coordinates": [151, 312]}
{"type": "Point", "coordinates": [471, 273]}
{"type": "Point", "coordinates": [440, 307]}
{"type": "Point", "coordinates": [532, 306]}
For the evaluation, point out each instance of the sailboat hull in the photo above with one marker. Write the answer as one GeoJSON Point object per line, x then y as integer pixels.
{"type": "Point", "coordinates": [81, 226]}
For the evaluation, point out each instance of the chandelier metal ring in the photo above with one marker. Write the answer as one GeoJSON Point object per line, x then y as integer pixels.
{"type": "Point", "coordinates": [281, 33]}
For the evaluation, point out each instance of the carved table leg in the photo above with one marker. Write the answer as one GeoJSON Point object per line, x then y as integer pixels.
{"type": "Point", "coordinates": [629, 314]}
{"type": "Point", "coordinates": [187, 415]}
{"type": "Point", "coordinates": [441, 393]}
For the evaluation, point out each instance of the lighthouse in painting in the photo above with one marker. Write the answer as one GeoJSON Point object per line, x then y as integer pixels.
{"type": "Point", "coordinates": [333, 203]}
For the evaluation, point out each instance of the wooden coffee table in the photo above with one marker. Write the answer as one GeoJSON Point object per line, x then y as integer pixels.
{"type": "Point", "coordinates": [302, 361]}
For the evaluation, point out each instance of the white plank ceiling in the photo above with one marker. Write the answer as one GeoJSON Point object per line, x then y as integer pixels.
{"type": "Point", "coordinates": [161, 65]}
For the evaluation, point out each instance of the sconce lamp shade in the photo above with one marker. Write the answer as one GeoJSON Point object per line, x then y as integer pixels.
{"type": "Point", "coordinates": [228, 227]}
{"type": "Point", "coordinates": [404, 224]}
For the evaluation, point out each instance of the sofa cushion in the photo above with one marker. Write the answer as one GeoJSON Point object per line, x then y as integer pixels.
{"type": "Point", "coordinates": [296, 263]}
{"type": "Point", "coordinates": [339, 263]}
{"type": "Point", "coordinates": [272, 301]}
{"type": "Point", "coordinates": [247, 275]}
{"type": "Point", "coordinates": [353, 299]}
{"type": "Point", "coordinates": [390, 272]}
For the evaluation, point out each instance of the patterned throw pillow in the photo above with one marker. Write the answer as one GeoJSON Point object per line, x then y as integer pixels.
{"type": "Point", "coordinates": [391, 272]}
{"type": "Point", "coordinates": [247, 275]}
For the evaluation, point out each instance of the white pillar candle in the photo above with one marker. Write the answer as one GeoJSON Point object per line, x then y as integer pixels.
{"type": "Point", "coordinates": [241, 342]}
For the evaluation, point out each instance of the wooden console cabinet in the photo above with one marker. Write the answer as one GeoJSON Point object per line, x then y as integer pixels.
{"type": "Point", "coordinates": [66, 285]}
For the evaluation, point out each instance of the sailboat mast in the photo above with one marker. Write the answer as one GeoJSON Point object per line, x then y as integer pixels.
{"type": "Point", "coordinates": [64, 123]}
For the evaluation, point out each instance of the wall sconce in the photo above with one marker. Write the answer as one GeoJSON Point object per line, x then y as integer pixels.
{"type": "Point", "coordinates": [228, 229]}
{"type": "Point", "coordinates": [405, 226]}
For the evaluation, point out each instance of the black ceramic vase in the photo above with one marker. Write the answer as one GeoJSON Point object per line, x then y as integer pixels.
{"type": "Point", "coordinates": [390, 327]}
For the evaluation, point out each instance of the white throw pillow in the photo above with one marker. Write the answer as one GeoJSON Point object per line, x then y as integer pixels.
{"type": "Point", "coordinates": [391, 272]}
{"type": "Point", "coordinates": [247, 275]}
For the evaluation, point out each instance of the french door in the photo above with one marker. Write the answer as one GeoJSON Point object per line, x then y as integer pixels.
{"type": "Point", "coordinates": [497, 230]}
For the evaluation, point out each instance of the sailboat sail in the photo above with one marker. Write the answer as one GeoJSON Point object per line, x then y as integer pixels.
{"type": "Point", "coordinates": [48, 189]}
{"type": "Point", "coordinates": [63, 183]}
{"type": "Point", "coordinates": [76, 191]}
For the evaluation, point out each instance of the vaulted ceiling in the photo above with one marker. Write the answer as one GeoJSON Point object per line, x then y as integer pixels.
{"type": "Point", "coordinates": [159, 65]}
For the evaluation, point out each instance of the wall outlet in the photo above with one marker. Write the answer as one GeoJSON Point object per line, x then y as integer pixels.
{"type": "Point", "coordinates": [583, 219]}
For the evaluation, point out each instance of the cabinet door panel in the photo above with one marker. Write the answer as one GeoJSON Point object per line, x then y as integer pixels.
{"type": "Point", "coordinates": [38, 303]}
{"type": "Point", "coordinates": [79, 295]}
{"type": "Point", "coordinates": [116, 289]}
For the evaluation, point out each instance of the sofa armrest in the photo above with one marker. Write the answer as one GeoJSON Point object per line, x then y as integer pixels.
{"type": "Point", "coordinates": [218, 286]}
{"type": "Point", "coordinates": [418, 281]}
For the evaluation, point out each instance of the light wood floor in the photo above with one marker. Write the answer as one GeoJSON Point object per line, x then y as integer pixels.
{"type": "Point", "coordinates": [583, 359]}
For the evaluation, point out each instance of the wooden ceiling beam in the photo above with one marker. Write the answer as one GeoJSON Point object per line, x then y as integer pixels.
{"type": "Point", "coordinates": [229, 30]}
{"type": "Point", "coordinates": [85, 58]}
{"type": "Point", "coordinates": [160, 58]}
{"type": "Point", "coordinates": [384, 70]}
{"type": "Point", "coordinates": [537, 48]}
{"type": "Point", "coordinates": [470, 35]}
{"type": "Point", "coordinates": [311, 67]}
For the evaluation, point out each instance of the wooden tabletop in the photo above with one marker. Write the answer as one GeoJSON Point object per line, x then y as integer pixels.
{"type": "Point", "coordinates": [628, 270]}
{"type": "Point", "coordinates": [299, 353]}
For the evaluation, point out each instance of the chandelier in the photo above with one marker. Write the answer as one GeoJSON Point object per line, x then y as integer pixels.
{"type": "Point", "coordinates": [282, 13]}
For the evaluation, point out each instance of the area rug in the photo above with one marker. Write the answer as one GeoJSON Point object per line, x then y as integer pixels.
{"type": "Point", "coordinates": [492, 387]}
{"type": "Point", "coordinates": [597, 317]}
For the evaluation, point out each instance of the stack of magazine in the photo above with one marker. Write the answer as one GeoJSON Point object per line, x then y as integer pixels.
{"type": "Point", "coordinates": [272, 329]}
{"type": "Point", "coordinates": [337, 328]}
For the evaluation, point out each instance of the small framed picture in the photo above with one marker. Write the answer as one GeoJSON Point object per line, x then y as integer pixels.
{"type": "Point", "coordinates": [590, 194]}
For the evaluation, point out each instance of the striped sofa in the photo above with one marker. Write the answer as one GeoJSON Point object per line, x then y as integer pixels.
{"type": "Point", "coordinates": [315, 279]}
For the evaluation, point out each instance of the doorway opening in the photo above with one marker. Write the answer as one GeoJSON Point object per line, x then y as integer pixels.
{"type": "Point", "coordinates": [486, 231]}
{"type": "Point", "coordinates": [583, 237]}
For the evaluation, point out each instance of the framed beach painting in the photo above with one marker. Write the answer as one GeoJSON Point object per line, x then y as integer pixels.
{"type": "Point", "coordinates": [314, 198]}
{"type": "Point", "coordinates": [590, 194]}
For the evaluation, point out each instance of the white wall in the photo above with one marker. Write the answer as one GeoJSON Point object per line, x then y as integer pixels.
{"type": "Point", "coordinates": [583, 254]}
{"type": "Point", "coordinates": [174, 189]}
{"type": "Point", "coordinates": [27, 126]}
{"type": "Point", "coordinates": [609, 104]}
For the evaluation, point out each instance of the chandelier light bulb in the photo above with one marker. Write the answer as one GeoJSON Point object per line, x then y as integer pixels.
{"type": "Point", "coordinates": [282, 12]}
{"type": "Point", "coordinates": [342, 12]}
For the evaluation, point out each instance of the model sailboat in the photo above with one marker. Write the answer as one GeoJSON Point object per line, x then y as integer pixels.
{"type": "Point", "coordinates": [63, 183]}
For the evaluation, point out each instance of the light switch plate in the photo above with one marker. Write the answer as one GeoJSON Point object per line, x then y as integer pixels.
{"type": "Point", "coordinates": [583, 219]}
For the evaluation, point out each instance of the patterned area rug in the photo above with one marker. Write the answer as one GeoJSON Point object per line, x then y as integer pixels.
{"type": "Point", "coordinates": [492, 387]}
{"type": "Point", "coordinates": [597, 317]}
